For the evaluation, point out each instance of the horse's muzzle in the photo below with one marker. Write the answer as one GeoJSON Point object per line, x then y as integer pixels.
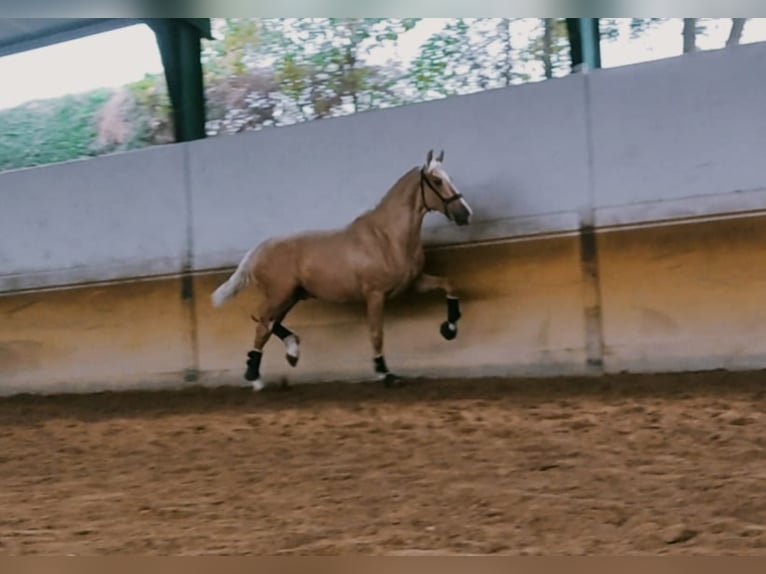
{"type": "Point", "coordinates": [459, 212]}
{"type": "Point", "coordinates": [462, 218]}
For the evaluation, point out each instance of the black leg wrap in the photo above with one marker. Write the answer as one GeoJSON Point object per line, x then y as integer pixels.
{"type": "Point", "coordinates": [448, 329]}
{"type": "Point", "coordinates": [389, 379]}
{"type": "Point", "coordinates": [380, 366]}
{"type": "Point", "coordinates": [253, 371]}
{"type": "Point", "coordinates": [453, 309]}
{"type": "Point", "coordinates": [281, 331]}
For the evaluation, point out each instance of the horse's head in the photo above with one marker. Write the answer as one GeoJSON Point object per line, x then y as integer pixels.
{"type": "Point", "coordinates": [439, 193]}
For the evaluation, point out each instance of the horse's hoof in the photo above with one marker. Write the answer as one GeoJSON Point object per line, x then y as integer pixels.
{"type": "Point", "coordinates": [258, 385]}
{"type": "Point", "coordinates": [448, 330]}
{"type": "Point", "coordinates": [293, 344]}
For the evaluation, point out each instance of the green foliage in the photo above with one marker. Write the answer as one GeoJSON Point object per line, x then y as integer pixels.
{"type": "Point", "coordinates": [610, 30]}
{"type": "Point", "coordinates": [640, 25]}
{"type": "Point", "coordinates": [283, 70]}
{"type": "Point", "coordinates": [472, 54]}
{"type": "Point", "coordinates": [550, 47]}
{"type": "Point", "coordinates": [49, 131]}
{"type": "Point", "coordinates": [149, 111]}
{"type": "Point", "coordinates": [434, 73]}
{"type": "Point", "coordinates": [278, 71]}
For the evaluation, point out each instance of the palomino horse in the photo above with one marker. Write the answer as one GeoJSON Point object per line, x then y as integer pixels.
{"type": "Point", "coordinates": [374, 258]}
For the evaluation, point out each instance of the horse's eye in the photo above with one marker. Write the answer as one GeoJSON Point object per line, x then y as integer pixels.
{"type": "Point", "coordinates": [438, 180]}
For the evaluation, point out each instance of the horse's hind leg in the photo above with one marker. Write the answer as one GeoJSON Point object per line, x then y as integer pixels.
{"type": "Point", "coordinates": [291, 340]}
{"type": "Point", "coordinates": [254, 356]}
{"type": "Point", "coordinates": [266, 316]}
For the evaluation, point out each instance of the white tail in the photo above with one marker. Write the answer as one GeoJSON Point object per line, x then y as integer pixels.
{"type": "Point", "coordinates": [234, 284]}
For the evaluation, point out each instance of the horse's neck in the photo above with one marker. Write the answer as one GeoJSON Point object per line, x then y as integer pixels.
{"type": "Point", "coordinates": [400, 213]}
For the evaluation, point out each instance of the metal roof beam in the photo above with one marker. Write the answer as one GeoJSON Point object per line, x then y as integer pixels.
{"type": "Point", "coordinates": [59, 30]}
{"type": "Point", "coordinates": [179, 41]}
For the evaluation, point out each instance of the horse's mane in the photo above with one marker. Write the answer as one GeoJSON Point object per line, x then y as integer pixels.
{"type": "Point", "coordinates": [396, 187]}
{"type": "Point", "coordinates": [392, 191]}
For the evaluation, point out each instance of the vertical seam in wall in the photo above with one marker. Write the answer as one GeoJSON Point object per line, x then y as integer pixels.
{"type": "Point", "coordinates": [187, 279]}
{"type": "Point", "coordinates": [589, 257]}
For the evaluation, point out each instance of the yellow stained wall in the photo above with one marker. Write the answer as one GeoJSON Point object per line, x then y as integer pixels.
{"type": "Point", "coordinates": [521, 304]}
{"type": "Point", "coordinates": [680, 297]}
{"type": "Point", "coordinates": [685, 297]}
{"type": "Point", "coordinates": [94, 338]}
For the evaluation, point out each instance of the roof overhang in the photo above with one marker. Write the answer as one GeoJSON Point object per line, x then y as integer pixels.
{"type": "Point", "coordinates": [22, 34]}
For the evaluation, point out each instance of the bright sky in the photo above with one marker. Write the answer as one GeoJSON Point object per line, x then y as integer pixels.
{"type": "Point", "coordinates": [109, 59]}
{"type": "Point", "coordinates": [123, 56]}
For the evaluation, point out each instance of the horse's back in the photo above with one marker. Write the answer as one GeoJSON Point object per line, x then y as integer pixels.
{"type": "Point", "coordinates": [335, 265]}
{"type": "Point", "coordinates": [295, 258]}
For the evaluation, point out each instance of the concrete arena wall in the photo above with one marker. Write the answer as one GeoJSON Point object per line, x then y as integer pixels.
{"type": "Point", "coordinates": [142, 334]}
{"type": "Point", "coordinates": [106, 265]}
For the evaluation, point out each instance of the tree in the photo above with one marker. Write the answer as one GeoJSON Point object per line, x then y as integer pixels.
{"type": "Point", "coordinates": [318, 66]}
{"type": "Point", "coordinates": [471, 54]}
{"type": "Point", "coordinates": [640, 26]}
{"type": "Point", "coordinates": [240, 88]}
{"type": "Point", "coordinates": [735, 35]}
{"type": "Point", "coordinates": [278, 71]}
{"type": "Point", "coordinates": [439, 69]}
{"type": "Point", "coordinates": [690, 35]}
{"type": "Point", "coordinates": [543, 56]}
{"type": "Point", "coordinates": [48, 131]}
{"type": "Point", "coordinates": [362, 85]}
{"type": "Point", "coordinates": [549, 46]}
{"type": "Point", "coordinates": [505, 63]}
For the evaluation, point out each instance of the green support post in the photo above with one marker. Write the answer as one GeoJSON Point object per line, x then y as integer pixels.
{"type": "Point", "coordinates": [179, 41]}
{"type": "Point", "coordinates": [585, 44]}
{"type": "Point", "coordinates": [591, 44]}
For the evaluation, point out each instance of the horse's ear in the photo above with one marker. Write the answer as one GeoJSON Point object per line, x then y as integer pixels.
{"type": "Point", "coordinates": [429, 157]}
{"type": "Point", "coordinates": [441, 157]}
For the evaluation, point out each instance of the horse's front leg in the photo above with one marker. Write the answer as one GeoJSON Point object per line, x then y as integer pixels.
{"type": "Point", "coordinates": [375, 305]}
{"type": "Point", "coordinates": [426, 283]}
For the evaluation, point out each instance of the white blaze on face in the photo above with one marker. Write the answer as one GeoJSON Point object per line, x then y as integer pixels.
{"type": "Point", "coordinates": [435, 168]}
